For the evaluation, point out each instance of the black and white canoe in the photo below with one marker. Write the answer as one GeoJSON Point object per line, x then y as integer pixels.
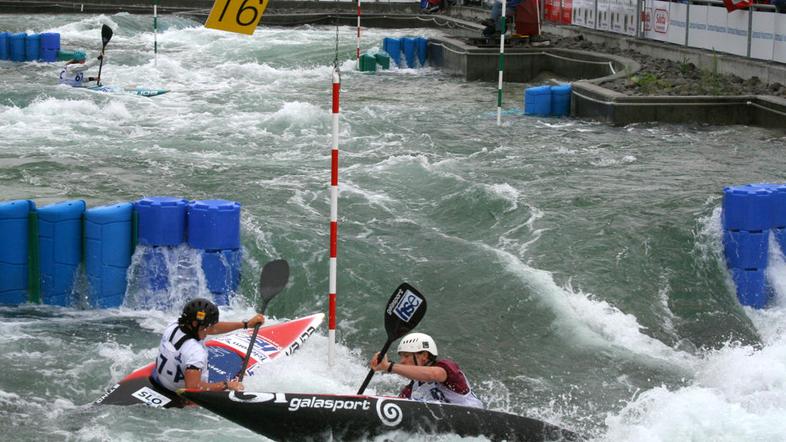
{"type": "Point", "coordinates": [297, 417]}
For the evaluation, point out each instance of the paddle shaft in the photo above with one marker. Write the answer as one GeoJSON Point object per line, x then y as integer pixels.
{"type": "Point", "coordinates": [106, 35]}
{"type": "Point", "coordinates": [100, 65]}
{"type": "Point", "coordinates": [247, 358]}
{"type": "Point", "coordinates": [272, 280]}
{"type": "Point", "coordinates": [371, 372]}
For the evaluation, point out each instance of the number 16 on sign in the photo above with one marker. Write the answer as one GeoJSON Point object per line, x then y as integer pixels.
{"type": "Point", "coordinates": [241, 16]}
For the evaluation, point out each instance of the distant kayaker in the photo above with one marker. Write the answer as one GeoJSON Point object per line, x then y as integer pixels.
{"type": "Point", "coordinates": [182, 355]}
{"type": "Point", "coordinates": [73, 73]}
{"type": "Point", "coordinates": [433, 380]}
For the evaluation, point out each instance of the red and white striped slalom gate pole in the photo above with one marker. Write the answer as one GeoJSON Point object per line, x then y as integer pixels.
{"type": "Point", "coordinates": [333, 220]}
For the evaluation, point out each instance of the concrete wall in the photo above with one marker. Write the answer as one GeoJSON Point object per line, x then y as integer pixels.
{"type": "Point", "coordinates": [525, 64]}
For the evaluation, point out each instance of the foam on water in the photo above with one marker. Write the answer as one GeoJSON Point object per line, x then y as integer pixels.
{"type": "Point", "coordinates": [737, 392]}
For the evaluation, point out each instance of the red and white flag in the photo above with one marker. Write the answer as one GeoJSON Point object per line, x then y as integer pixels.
{"type": "Point", "coordinates": [731, 5]}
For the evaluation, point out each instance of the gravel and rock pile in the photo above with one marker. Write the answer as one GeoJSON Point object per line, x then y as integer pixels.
{"type": "Point", "coordinates": [665, 77]}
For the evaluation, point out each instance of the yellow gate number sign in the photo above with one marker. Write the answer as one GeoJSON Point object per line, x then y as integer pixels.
{"type": "Point", "coordinates": [241, 16]}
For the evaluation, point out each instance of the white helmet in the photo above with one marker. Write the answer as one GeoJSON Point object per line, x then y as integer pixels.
{"type": "Point", "coordinates": [417, 342]}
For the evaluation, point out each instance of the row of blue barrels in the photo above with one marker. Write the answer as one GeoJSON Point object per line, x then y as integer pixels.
{"type": "Point", "coordinates": [211, 226]}
{"type": "Point", "coordinates": [415, 50]}
{"type": "Point", "coordinates": [749, 214]}
{"type": "Point", "coordinates": [548, 101]}
{"type": "Point", "coordinates": [42, 248]}
{"type": "Point", "coordinates": [29, 47]}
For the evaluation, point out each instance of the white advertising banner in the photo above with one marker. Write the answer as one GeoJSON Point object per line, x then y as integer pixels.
{"type": "Point", "coordinates": [763, 36]}
{"type": "Point", "coordinates": [716, 27]}
{"type": "Point", "coordinates": [678, 23]}
{"type": "Point", "coordinates": [589, 18]}
{"type": "Point", "coordinates": [630, 18]}
{"type": "Point", "coordinates": [656, 20]}
{"type": "Point", "coordinates": [578, 12]}
{"type": "Point", "coordinates": [779, 46]}
{"type": "Point", "coordinates": [604, 15]}
{"type": "Point", "coordinates": [698, 36]}
{"type": "Point", "coordinates": [736, 40]}
{"type": "Point", "coordinates": [616, 21]}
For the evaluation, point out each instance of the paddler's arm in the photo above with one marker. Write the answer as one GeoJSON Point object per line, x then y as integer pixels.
{"type": "Point", "coordinates": [414, 372]}
{"type": "Point", "coordinates": [226, 327]}
{"type": "Point", "coordinates": [194, 382]}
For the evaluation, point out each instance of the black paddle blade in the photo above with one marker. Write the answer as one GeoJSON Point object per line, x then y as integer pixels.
{"type": "Point", "coordinates": [406, 307]}
{"type": "Point", "coordinates": [272, 280]}
{"type": "Point", "coordinates": [106, 34]}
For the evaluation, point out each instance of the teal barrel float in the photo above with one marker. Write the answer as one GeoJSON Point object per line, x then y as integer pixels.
{"type": "Point", "coordinates": [408, 46]}
{"type": "Point", "coordinates": [383, 59]}
{"type": "Point", "coordinates": [214, 227]}
{"type": "Point", "coordinates": [50, 45]}
{"type": "Point", "coordinates": [4, 46]}
{"type": "Point", "coordinates": [560, 100]}
{"type": "Point", "coordinates": [17, 47]}
{"type": "Point", "coordinates": [393, 47]}
{"type": "Point", "coordinates": [108, 250]}
{"type": "Point", "coordinates": [32, 47]}
{"type": "Point", "coordinates": [537, 101]}
{"type": "Point", "coordinates": [162, 225]}
{"type": "Point", "coordinates": [421, 49]}
{"type": "Point", "coordinates": [14, 261]}
{"type": "Point", "coordinates": [59, 249]}
{"type": "Point", "coordinates": [367, 63]}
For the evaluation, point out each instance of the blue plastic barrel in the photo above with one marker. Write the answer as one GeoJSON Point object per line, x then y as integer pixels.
{"type": "Point", "coordinates": [4, 46]}
{"type": "Point", "coordinates": [746, 250]}
{"type": "Point", "coordinates": [560, 100]}
{"type": "Point", "coordinates": [393, 47]}
{"type": "Point", "coordinates": [222, 273]}
{"type": "Point", "coordinates": [780, 236]}
{"type": "Point", "coordinates": [214, 225]}
{"type": "Point", "coordinates": [13, 250]}
{"type": "Point", "coordinates": [778, 206]}
{"type": "Point", "coordinates": [50, 45]}
{"type": "Point", "coordinates": [747, 208]}
{"type": "Point", "coordinates": [537, 101]}
{"type": "Point", "coordinates": [32, 47]}
{"type": "Point", "coordinates": [421, 48]}
{"type": "Point", "coordinates": [156, 269]}
{"type": "Point", "coordinates": [108, 253]}
{"type": "Point", "coordinates": [162, 220]}
{"type": "Point", "coordinates": [59, 249]}
{"type": "Point", "coordinates": [16, 47]}
{"type": "Point", "coordinates": [408, 46]}
{"type": "Point", "coordinates": [752, 287]}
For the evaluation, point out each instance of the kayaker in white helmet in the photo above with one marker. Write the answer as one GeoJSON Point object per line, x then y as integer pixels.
{"type": "Point", "coordinates": [433, 380]}
{"type": "Point", "coordinates": [74, 72]}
